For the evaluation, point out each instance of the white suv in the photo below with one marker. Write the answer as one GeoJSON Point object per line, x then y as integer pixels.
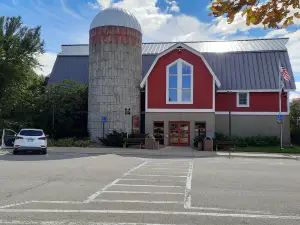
{"type": "Point", "coordinates": [30, 140]}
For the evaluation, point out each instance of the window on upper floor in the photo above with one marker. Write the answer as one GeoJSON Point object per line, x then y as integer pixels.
{"type": "Point", "coordinates": [179, 83]}
{"type": "Point", "coordinates": [242, 99]}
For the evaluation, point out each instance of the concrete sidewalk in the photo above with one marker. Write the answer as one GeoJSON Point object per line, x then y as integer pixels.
{"type": "Point", "coordinates": [169, 152]}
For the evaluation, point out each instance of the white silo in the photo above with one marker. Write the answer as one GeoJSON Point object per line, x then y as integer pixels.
{"type": "Point", "coordinates": [115, 70]}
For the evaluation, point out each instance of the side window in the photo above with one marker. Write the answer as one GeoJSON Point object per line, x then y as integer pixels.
{"type": "Point", "coordinates": [242, 99]}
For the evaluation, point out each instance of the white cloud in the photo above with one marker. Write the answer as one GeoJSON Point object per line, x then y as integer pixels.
{"type": "Point", "coordinates": [47, 61]}
{"type": "Point", "coordinates": [104, 3]}
{"type": "Point", "coordinates": [69, 11]}
{"type": "Point", "coordinates": [93, 5]}
{"type": "Point", "coordinates": [276, 33]}
{"type": "Point", "coordinates": [149, 15]}
{"type": "Point", "coordinates": [239, 24]}
{"type": "Point", "coordinates": [293, 47]}
{"type": "Point", "coordinates": [295, 94]}
{"type": "Point", "coordinates": [182, 28]}
{"type": "Point", "coordinates": [173, 6]}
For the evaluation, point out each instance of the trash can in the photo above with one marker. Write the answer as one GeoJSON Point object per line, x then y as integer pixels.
{"type": "Point", "coordinates": [208, 144]}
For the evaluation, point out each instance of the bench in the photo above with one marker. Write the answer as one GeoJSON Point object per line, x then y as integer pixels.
{"type": "Point", "coordinates": [226, 145]}
{"type": "Point", "coordinates": [133, 141]}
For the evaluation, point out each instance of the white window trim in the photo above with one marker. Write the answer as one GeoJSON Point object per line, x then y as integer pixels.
{"type": "Point", "coordinates": [238, 102]}
{"type": "Point", "coordinates": [179, 82]}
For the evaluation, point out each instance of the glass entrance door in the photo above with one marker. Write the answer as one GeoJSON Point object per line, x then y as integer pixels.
{"type": "Point", "coordinates": [179, 133]}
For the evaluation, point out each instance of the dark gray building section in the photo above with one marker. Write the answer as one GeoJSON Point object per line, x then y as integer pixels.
{"type": "Point", "coordinates": [70, 68]}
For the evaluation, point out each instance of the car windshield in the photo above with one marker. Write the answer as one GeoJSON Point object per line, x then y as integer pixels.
{"type": "Point", "coordinates": [31, 133]}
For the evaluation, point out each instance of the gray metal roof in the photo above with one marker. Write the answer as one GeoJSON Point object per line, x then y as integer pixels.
{"type": "Point", "coordinates": [248, 71]}
{"type": "Point", "coordinates": [253, 66]}
{"type": "Point", "coordinates": [70, 68]}
{"type": "Point", "coordinates": [251, 45]}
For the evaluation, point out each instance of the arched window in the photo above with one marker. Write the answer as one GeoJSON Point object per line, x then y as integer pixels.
{"type": "Point", "coordinates": [179, 83]}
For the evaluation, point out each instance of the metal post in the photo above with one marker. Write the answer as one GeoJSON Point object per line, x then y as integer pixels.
{"type": "Point", "coordinates": [281, 122]}
{"type": "Point", "coordinates": [103, 130]}
{"type": "Point", "coordinates": [53, 118]}
{"type": "Point", "coordinates": [229, 114]}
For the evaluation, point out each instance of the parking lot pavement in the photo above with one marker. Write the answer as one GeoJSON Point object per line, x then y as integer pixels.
{"type": "Point", "coordinates": [108, 189]}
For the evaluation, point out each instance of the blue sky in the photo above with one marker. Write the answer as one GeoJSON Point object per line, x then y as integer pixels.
{"type": "Point", "coordinates": [67, 22]}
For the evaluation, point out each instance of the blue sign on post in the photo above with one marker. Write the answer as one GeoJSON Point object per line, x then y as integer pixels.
{"type": "Point", "coordinates": [103, 119]}
{"type": "Point", "coordinates": [279, 118]}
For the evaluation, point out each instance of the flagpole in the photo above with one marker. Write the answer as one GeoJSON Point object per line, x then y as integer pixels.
{"type": "Point", "coordinates": [280, 93]}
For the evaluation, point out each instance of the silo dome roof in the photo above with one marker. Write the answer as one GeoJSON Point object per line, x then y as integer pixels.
{"type": "Point", "coordinates": [116, 17]}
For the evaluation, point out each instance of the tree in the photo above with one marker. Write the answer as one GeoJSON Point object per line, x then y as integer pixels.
{"type": "Point", "coordinates": [271, 13]}
{"type": "Point", "coordinates": [294, 113]}
{"type": "Point", "coordinates": [19, 48]}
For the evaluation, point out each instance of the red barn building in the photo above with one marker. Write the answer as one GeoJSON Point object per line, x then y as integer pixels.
{"type": "Point", "coordinates": [188, 89]}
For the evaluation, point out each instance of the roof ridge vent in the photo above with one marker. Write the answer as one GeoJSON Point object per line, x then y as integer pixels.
{"type": "Point", "coordinates": [179, 47]}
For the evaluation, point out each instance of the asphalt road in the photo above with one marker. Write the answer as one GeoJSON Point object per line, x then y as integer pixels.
{"type": "Point", "coordinates": [71, 189]}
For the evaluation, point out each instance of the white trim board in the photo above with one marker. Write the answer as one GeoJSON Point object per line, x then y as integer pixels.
{"type": "Point", "coordinates": [173, 48]}
{"type": "Point", "coordinates": [254, 90]}
{"type": "Point", "coordinates": [180, 110]}
{"type": "Point", "coordinates": [253, 113]}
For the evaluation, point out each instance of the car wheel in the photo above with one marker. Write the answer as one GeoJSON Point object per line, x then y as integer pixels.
{"type": "Point", "coordinates": [44, 152]}
{"type": "Point", "coordinates": [15, 152]}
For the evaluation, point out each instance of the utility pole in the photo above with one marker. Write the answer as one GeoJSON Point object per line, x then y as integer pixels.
{"type": "Point", "coordinates": [229, 113]}
{"type": "Point", "coordinates": [53, 118]}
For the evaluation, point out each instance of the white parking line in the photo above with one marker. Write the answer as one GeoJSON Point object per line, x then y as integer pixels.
{"type": "Point", "coordinates": [146, 185]}
{"type": "Point", "coordinates": [209, 214]}
{"type": "Point", "coordinates": [145, 192]}
{"type": "Point", "coordinates": [18, 222]}
{"type": "Point", "coordinates": [59, 202]}
{"type": "Point", "coordinates": [138, 201]}
{"type": "Point", "coordinates": [154, 175]}
{"type": "Point", "coordinates": [149, 180]}
{"type": "Point", "coordinates": [167, 169]}
{"type": "Point", "coordinates": [187, 196]}
{"type": "Point", "coordinates": [16, 204]}
{"type": "Point", "coordinates": [93, 196]}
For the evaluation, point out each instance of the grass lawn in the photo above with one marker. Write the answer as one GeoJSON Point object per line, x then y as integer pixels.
{"type": "Point", "coordinates": [272, 149]}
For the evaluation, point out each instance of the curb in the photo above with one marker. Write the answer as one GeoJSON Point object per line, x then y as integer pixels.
{"type": "Point", "coordinates": [160, 154]}
{"type": "Point", "coordinates": [261, 157]}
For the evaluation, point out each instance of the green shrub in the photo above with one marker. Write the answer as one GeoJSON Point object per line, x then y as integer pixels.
{"type": "Point", "coordinates": [295, 136]}
{"type": "Point", "coordinates": [259, 141]}
{"type": "Point", "coordinates": [70, 142]}
{"type": "Point", "coordinates": [114, 139]}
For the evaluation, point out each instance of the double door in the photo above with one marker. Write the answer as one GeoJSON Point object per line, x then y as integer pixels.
{"type": "Point", "coordinates": [179, 133]}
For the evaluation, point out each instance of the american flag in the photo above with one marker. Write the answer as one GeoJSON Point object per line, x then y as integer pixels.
{"type": "Point", "coordinates": [285, 74]}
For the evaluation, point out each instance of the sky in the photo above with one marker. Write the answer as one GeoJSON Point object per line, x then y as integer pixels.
{"type": "Point", "coordinates": [68, 21]}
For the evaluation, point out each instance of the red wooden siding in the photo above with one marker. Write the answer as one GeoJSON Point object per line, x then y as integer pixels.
{"type": "Point", "coordinates": [203, 94]}
{"type": "Point", "coordinates": [259, 102]}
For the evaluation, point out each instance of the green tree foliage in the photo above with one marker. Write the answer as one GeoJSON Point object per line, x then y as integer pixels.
{"type": "Point", "coordinates": [19, 48]}
{"type": "Point", "coordinates": [294, 113]}
{"type": "Point", "coordinates": [37, 106]}
{"type": "Point", "coordinates": [271, 13]}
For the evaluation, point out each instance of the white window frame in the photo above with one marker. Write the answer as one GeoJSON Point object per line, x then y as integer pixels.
{"type": "Point", "coordinates": [238, 98]}
{"type": "Point", "coordinates": [179, 82]}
